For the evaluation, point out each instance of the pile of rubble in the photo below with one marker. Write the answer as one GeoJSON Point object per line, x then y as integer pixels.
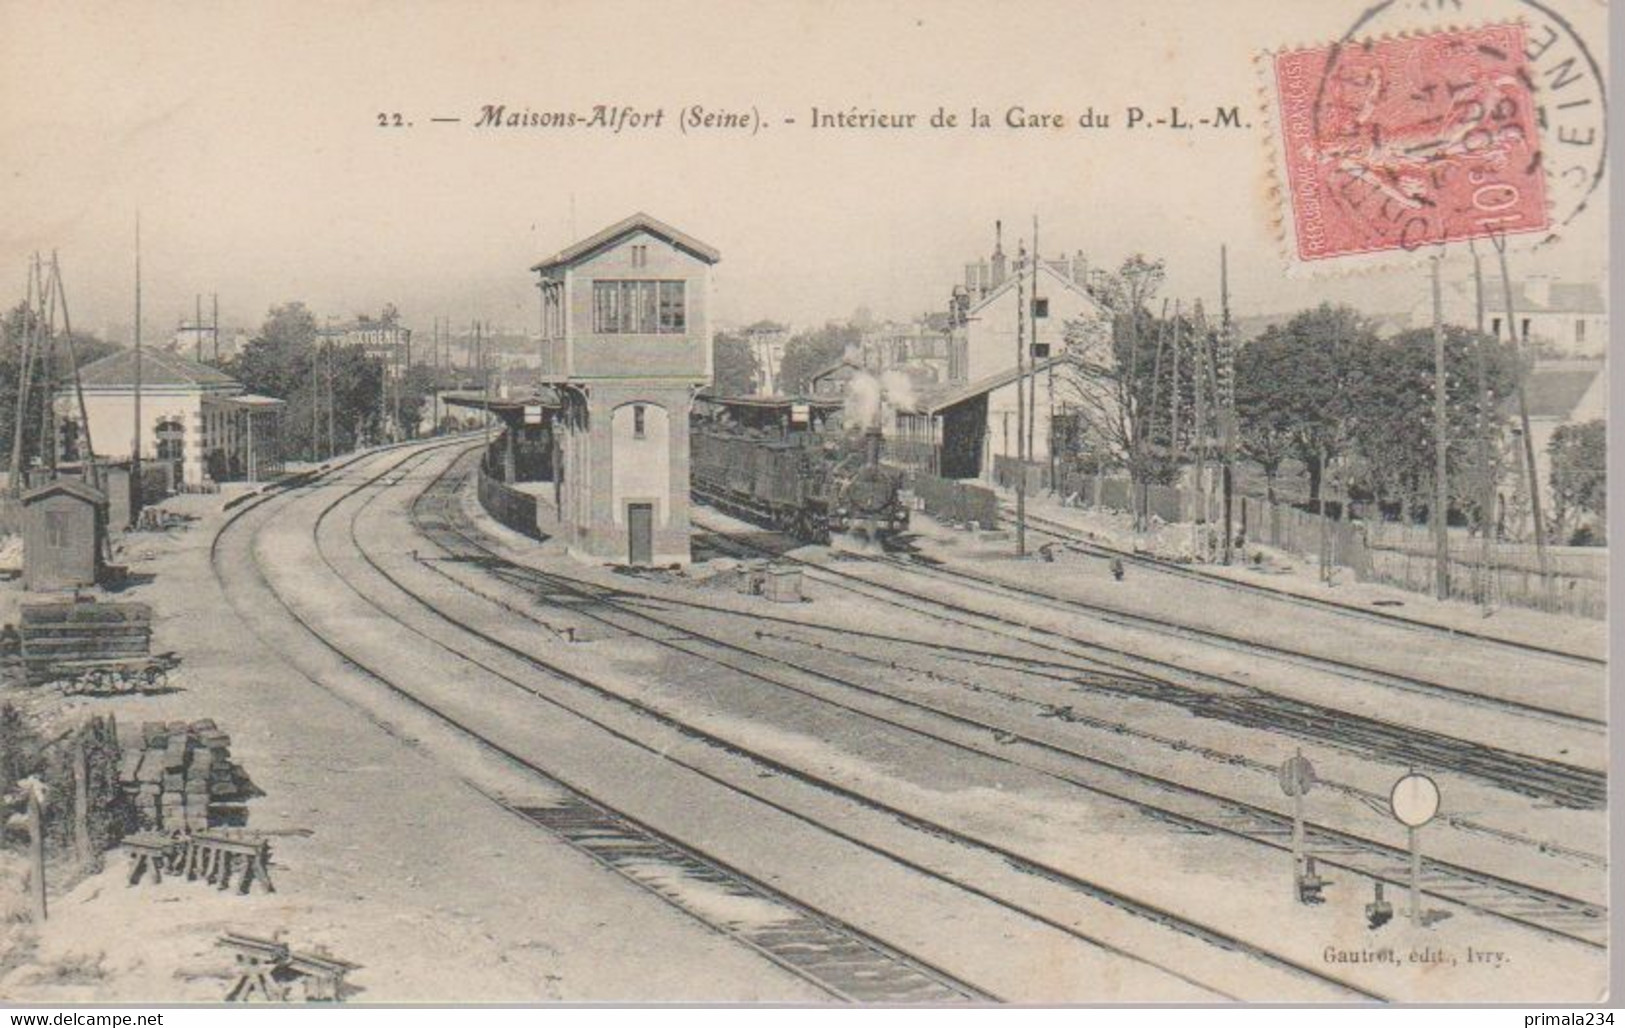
{"type": "Point", "coordinates": [181, 777]}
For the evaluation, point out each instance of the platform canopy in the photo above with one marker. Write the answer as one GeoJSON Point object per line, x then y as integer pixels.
{"type": "Point", "coordinates": [547, 399]}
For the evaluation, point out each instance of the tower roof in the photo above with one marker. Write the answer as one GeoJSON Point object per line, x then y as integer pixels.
{"type": "Point", "coordinates": [639, 222]}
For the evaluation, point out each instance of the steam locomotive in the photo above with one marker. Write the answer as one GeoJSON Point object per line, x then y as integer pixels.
{"type": "Point", "coordinates": [752, 457]}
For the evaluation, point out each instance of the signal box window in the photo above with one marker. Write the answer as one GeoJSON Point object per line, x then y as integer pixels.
{"type": "Point", "coordinates": [638, 307]}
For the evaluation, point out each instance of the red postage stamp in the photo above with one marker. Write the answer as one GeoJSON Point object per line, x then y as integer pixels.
{"type": "Point", "coordinates": [1408, 142]}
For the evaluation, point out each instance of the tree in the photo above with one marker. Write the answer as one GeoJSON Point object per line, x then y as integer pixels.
{"type": "Point", "coordinates": [1297, 387]}
{"type": "Point", "coordinates": [1579, 474]}
{"type": "Point", "coordinates": [1391, 428]}
{"type": "Point", "coordinates": [808, 353]}
{"type": "Point", "coordinates": [283, 360]}
{"type": "Point", "coordinates": [1265, 425]}
{"type": "Point", "coordinates": [734, 365]}
{"type": "Point", "coordinates": [1119, 381]}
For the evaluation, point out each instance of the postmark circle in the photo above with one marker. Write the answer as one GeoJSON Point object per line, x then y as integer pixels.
{"type": "Point", "coordinates": [1564, 78]}
{"type": "Point", "coordinates": [1414, 800]}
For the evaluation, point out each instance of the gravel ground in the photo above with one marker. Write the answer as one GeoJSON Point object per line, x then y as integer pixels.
{"type": "Point", "coordinates": [441, 894]}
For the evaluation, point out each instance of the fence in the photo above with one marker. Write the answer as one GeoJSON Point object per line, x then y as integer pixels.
{"type": "Point", "coordinates": [509, 506]}
{"type": "Point", "coordinates": [957, 502]}
{"type": "Point", "coordinates": [1577, 582]}
{"type": "Point", "coordinates": [1403, 556]}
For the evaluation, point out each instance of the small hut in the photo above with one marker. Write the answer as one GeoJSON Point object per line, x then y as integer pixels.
{"type": "Point", "coordinates": [64, 530]}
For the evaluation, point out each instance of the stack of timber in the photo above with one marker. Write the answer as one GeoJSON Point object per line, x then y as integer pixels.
{"type": "Point", "coordinates": [181, 777]}
{"type": "Point", "coordinates": [58, 636]}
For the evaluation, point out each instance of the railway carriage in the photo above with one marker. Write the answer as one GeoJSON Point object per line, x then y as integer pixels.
{"type": "Point", "coordinates": [776, 461]}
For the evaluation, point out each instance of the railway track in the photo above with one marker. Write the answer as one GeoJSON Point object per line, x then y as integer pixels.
{"type": "Point", "coordinates": [1251, 647]}
{"type": "Point", "coordinates": [1245, 704]}
{"type": "Point", "coordinates": [837, 958]}
{"type": "Point", "coordinates": [439, 527]}
{"type": "Point", "coordinates": [1197, 809]}
{"type": "Point", "coordinates": [1078, 542]}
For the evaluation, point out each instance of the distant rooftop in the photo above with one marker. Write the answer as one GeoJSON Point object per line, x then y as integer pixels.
{"type": "Point", "coordinates": [158, 368]}
{"type": "Point", "coordinates": [1537, 296]}
{"type": "Point", "coordinates": [1554, 389]}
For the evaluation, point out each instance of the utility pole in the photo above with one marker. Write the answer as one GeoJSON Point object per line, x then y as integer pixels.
{"type": "Point", "coordinates": [1199, 432]}
{"type": "Point", "coordinates": [1021, 411]}
{"type": "Point", "coordinates": [47, 442]}
{"type": "Point", "coordinates": [135, 441]}
{"type": "Point", "coordinates": [78, 386]}
{"type": "Point", "coordinates": [316, 398]}
{"type": "Point", "coordinates": [330, 351]}
{"type": "Point", "coordinates": [434, 393]}
{"type": "Point", "coordinates": [1523, 418]}
{"type": "Point", "coordinates": [1227, 402]}
{"type": "Point", "coordinates": [1441, 486]}
{"type": "Point", "coordinates": [1032, 354]}
{"type": "Point", "coordinates": [33, 303]}
{"type": "Point", "coordinates": [1486, 457]}
{"type": "Point", "coordinates": [1173, 396]}
{"type": "Point", "coordinates": [485, 385]}
{"type": "Point", "coordinates": [214, 324]}
{"type": "Point", "coordinates": [197, 328]}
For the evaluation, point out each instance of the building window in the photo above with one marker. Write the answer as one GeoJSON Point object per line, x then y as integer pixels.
{"type": "Point", "coordinates": [56, 529]}
{"type": "Point", "coordinates": [1579, 330]}
{"type": "Point", "coordinates": [1495, 327]}
{"type": "Point", "coordinates": [171, 439]}
{"type": "Point", "coordinates": [638, 423]}
{"type": "Point", "coordinates": [640, 256]}
{"type": "Point", "coordinates": [638, 307]}
{"type": "Point", "coordinates": [1525, 330]}
{"type": "Point", "coordinates": [1040, 306]}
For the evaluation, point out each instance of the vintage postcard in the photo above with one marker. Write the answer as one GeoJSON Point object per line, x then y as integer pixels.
{"type": "Point", "coordinates": [816, 502]}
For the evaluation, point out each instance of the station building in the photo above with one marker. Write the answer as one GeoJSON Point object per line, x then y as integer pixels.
{"type": "Point", "coordinates": [625, 345]}
{"type": "Point", "coordinates": [193, 416]}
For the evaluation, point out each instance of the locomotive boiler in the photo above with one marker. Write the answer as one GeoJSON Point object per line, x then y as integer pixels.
{"type": "Point", "coordinates": [775, 462]}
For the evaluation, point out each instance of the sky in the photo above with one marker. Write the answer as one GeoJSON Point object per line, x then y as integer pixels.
{"type": "Point", "coordinates": [246, 136]}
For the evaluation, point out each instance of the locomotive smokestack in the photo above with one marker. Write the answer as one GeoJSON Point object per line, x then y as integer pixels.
{"type": "Point", "coordinates": [872, 440]}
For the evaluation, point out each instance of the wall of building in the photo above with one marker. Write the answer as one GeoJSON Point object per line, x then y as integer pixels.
{"type": "Point", "coordinates": [685, 355]}
{"type": "Point", "coordinates": [990, 337]}
{"type": "Point", "coordinates": [607, 469]}
{"type": "Point", "coordinates": [111, 417]}
{"type": "Point", "coordinates": [640, 465]}
{"type": "Point", "coordinates": [1002, 420]}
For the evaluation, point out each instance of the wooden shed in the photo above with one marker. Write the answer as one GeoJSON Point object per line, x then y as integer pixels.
{"type": "Point", "coordinates": [64, 528]}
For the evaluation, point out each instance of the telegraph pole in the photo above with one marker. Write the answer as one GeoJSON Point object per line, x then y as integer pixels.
{"type": "Point", "coordinates": [78, 385]}
{"type": "Point", "coordinates": [214, 325]}
{"type": "Point", "coordinates": [1523, 417]}
{"type": "Point", "coordinates": [135, 441]}
{"type": "Point", "coordinates": [1441, 486]}
{"type": "Point", "coordinates": [1032, 354]}
{"type": "Point", "coordinates": [197, 329]}
{"type": "Point", "coordinates": [1486, 458]}
{"type": "Point", "coordinates": [316, 398]}
{"type": "Point", "coordinates": [485, 385]}
{"type": "Point", "coordinates": [1021, 413]}
{"type": "Point", "coordinates": [1227, 402]}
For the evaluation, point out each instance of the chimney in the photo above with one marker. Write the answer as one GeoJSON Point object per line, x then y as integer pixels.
{"type": "Point", "coordinates": [998, 255]}
{"type": "Point", "coordinates": [1080, 269]}
{"type": "Point", "coordinates": [984, 279]}
{"type": "Point", "coordinates": [970, 277]}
